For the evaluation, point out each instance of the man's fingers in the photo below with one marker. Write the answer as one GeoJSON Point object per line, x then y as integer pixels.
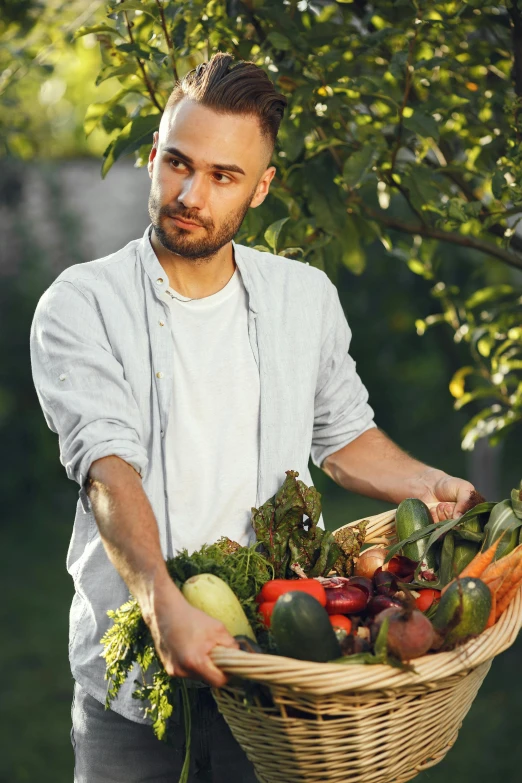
{"type": "Point", "coordinates": [443, 511]}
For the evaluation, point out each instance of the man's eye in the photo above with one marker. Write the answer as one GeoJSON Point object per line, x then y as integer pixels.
{"type": "Point", "coordinates": [223, 179]}
{"type": "Point", "coordinates": [177, 163]}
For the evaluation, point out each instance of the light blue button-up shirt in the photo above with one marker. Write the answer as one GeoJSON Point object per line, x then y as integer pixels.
{"type": "Point", "coordinates": [102, 362]}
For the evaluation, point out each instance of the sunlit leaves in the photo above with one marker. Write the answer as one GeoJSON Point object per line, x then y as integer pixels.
{"type": "Point", "coordinates": [133, 135]}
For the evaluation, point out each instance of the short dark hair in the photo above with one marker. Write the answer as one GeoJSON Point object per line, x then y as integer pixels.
{"type": "Point", "coordinates": [240, 87]}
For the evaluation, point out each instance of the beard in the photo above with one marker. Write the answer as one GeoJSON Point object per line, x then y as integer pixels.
{"type": "Point", "coordinates": [181, 241]}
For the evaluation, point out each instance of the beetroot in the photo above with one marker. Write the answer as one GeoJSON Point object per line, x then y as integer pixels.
{"type": "Point", "coordinates": [410, 633]}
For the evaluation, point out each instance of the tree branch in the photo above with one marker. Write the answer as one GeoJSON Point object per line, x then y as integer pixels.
{"type": "Point", "coordinates": [407, 88]}
{"type": "Point", "coordinates": [148, 83]}
{"type": "Point", "coordinates": [445, 236]}
{"type": "Point", "coordinates": [516, 22]}
{"type": "Point", "coordinates": [168, 39]}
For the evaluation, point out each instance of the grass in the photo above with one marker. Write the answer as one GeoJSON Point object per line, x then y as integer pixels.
{"type": "Point", "coordinates": [37, 685]}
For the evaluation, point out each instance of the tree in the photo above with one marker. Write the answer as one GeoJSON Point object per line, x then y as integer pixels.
{"type": "Point", "coordinates": [403, 129]}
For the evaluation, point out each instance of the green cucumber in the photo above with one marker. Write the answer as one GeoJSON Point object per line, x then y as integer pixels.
{"type": "Point", "coordinates": [463, 610]}
{"type": "Point", "coordinates": [501, 518]}
{"type": "Point", "coordinates": [302, 629]}
{"type": "Point", "coordinates": [412, 515]}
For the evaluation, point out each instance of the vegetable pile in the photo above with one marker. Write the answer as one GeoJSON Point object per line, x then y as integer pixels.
{"type": "Point", "coordinates": [305, 593]}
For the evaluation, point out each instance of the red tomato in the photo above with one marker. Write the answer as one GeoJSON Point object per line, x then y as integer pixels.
{"type": "Point", "coordinates": [426, 598]}
{"type": "Point", "coordinates": [340, 621]}
{"type": "Point", "coordinates": [265, 610]}
{"type": "Point", "coordinates": [277, 587]}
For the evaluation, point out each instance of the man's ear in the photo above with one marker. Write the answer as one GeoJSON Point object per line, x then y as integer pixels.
{"type": "Point", "coordinates": [153, 152]}
{"type": "Point", "coordinates": [263, 186]}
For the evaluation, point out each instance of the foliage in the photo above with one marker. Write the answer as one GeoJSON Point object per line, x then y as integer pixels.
{"type": "Point", "coordinates": [403, 129]}
{"type": "Point", "coordinates": [47, 79]}
{"type": "Point", "coordinates": [287, 529]}
{"type": "Point", "coordinates": [128, 641]}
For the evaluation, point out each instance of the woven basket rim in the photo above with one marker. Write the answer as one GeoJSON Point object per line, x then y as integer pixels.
{"type": "Point", "coordinates": [324, 678]}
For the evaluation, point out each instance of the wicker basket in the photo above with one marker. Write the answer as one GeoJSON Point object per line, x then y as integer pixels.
{"type": "Point", "coordinates": [329, 723]}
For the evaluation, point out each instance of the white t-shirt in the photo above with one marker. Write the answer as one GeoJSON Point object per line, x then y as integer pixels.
{"type": "Point", "coordinates": [212, 439]}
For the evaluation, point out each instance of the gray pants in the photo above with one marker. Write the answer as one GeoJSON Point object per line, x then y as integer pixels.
{"type": "Point", "coordinates": [111, 749]}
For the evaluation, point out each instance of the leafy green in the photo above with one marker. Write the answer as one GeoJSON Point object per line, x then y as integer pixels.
{"type": "Point", "coordinates": [287, 530]}
{"type": "Point", "coordinates": [129, 641]}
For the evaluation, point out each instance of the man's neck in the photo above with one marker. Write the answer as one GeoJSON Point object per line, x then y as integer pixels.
{"type": "Point", "coordinates": [192, 277]}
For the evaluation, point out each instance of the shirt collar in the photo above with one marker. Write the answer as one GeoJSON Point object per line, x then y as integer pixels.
{"type": "Point", "coordinates": [160, 281]}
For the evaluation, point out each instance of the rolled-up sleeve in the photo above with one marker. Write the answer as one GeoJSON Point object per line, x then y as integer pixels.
{"type": "Point", "coordinates": [342, 412]}
{"type": "Point", "coordinates": [81, 386]}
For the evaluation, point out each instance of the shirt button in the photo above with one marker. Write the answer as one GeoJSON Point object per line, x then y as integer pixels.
{"type": "Point", "coordinates": [159, 281]}
{"type": "Point", "coordinates": [63, 377]}
{"type": "Point", "coordinates": [162, 323]}
{"type": "Point", "coordinates": [159, 375]}
{"type": "Point", "coordinates": [162, 433]}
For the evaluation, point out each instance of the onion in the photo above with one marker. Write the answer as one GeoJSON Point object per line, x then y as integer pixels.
{"type": "Point", "coordinates": [402, 567]}
{"type": "Point", "coordinates": [348, 599]}
{"type": "Point", "coordinates": [369, 561]}
{"type": "Point", "coordinates": [364, 583]}
{"type": "Point", "coordinates": [380, 602]}
{"type": "Point", "coordinates": [385, 583]}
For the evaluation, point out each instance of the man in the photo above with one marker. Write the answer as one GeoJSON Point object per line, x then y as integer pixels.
{"type": "Point", "coordinates": [184, 374]}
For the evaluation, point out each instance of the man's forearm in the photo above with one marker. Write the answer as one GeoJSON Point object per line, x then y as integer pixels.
{"type": "Point", "coordinates": [374, 466]}
{"type": "Point", "coordinates": [129, 530]}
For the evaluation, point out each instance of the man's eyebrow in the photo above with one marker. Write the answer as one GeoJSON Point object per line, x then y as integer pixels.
{"type": "Point", "coordinates": [214, 166]}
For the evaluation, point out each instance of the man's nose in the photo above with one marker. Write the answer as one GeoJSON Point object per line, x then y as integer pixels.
{"type": "Point", "coordinates": [193, 192]}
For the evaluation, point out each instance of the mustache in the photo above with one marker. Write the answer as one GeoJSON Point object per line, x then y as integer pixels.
{"type": "Point", "coordinates": [184, 216]}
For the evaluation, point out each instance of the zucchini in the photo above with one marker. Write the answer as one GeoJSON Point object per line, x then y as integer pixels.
{"type": "Point", "coordinates": [463, 610]}
{"type": "Point", "coordinates": [302, 629]}
{"type": "Point", "coordinates": [412, 515]}
{"type": "Point", "coordinates": [214, 597]}
{"type": "Point", "coordinates": [502, 518]}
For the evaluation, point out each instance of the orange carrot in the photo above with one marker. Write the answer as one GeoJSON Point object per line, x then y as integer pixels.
{"type": "Point", "coordinates": [502, 566]}
{"type": "Point", "coordinates": [494, 586]}
{"type": "Point", "coordinates": [511, 590]}
{"type": "Point", "coordinates": [479, 564]}
{"type": "Point", "coordinates": [493, 614]}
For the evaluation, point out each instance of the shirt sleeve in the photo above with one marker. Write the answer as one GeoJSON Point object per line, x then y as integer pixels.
{"type": "Point", "coordinates": [81, 385]}
{"type": "Point", "coordinates": [342, 412]}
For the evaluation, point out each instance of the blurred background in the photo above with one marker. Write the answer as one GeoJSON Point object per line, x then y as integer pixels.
{"type": "Point", "coordinates": [403, 115]}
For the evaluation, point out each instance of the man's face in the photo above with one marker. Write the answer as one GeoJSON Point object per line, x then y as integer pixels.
{"type": "Point", "coordinates": [208, 169]}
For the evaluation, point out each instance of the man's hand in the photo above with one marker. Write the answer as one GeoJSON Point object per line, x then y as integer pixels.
{"type": "Point", "coordinates": [452, 494]}
{"type": "Point", "coordinates": [184, 636]}
{"type": "Point", "coordinates": [373, 465]}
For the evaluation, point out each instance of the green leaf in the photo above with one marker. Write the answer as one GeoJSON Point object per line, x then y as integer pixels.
{"type": "Point", "coordinates": [133, 135]}
{"type": "Point", "coordinates": [272, 233]}
{"type": "Point", "coordinates": [125, 69]}
{"type": "Point", "coordinates": [358, 164]}
{"type": "Point", "coordinates": [279, 41]}
{"type": "Point", "coordinates": [95, 28]}
{"type": "Point", "coordinates": [498, 183]}
{"type": "Point", "coordinates": [422, 124]}
{"type": "Point", "coordinates": [489, 294]}
{"type": "Point", "coordinates": [97, 111]}
{"type": "Point", "coordinates": [482, 393]}
{"type": "Point", "coordinates": [135, 5]}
